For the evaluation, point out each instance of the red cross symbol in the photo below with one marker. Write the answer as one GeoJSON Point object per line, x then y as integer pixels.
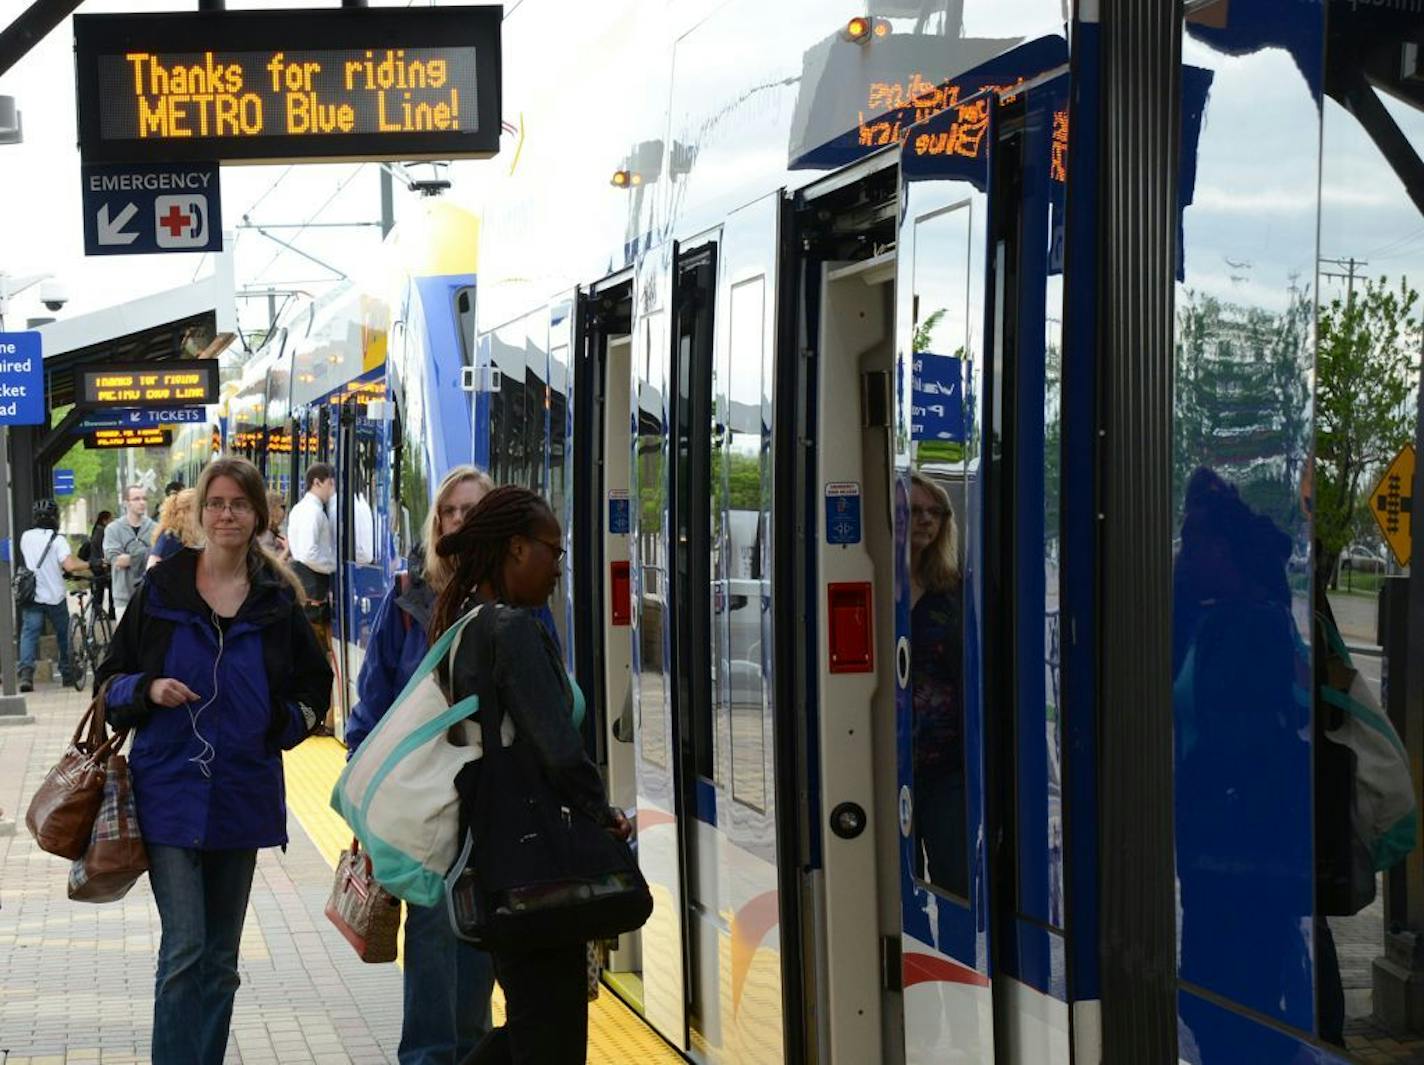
{"type": "Point", "coordinates": [175, 221]}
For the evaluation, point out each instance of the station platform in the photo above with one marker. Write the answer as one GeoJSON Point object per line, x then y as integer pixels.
{"type": "Point", "coordinates": [77, 981]}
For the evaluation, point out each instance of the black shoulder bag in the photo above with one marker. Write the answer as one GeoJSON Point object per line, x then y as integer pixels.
{"type": "Point", "coordinates": [25, 583]}
{"type": "Point", "coordinates": [534, 871]}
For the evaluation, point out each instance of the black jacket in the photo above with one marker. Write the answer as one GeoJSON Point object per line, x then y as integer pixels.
{"type": "Point", "coordinates": [534, 691]}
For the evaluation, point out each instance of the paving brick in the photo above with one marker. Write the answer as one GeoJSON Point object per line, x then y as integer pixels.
{"type": "Point", "coordinates": [67, 963]}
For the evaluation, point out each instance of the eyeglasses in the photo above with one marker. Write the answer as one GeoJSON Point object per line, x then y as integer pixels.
{"type": "Point", "coordinates": [239, 508]}
{"type": "Point", "coordinates": [558, 549]}
{"type": "Point", "coordinates": [928, 512]}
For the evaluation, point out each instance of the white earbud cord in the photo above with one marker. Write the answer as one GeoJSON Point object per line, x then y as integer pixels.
{"type": "Point", "coordinates": [204, 758]}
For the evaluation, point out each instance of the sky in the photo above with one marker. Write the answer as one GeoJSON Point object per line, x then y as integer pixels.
{"type": "Point", "coordinates": [41, 225]}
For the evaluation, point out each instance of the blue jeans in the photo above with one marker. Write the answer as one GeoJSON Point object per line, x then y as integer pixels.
{"type": "Point", "coordinates": [33, 625]}
{"type": "Point", "coordinates": [448, 984]}
{"type": "Point", "coordinates": [202, 900]}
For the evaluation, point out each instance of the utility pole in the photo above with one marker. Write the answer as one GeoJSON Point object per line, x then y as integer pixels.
{"type": "Point", "coordinates": [1351, 266]}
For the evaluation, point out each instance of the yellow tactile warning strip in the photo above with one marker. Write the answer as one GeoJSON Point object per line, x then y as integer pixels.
{"type": "Point", "coordinates": [616, 1035]}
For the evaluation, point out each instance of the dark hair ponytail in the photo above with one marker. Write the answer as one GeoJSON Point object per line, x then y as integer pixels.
{"type": "Point", "coordinates": [480, 546]}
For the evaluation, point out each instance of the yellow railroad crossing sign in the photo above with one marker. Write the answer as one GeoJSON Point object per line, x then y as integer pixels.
{"type": "Point", "coordinates": [1392, 503]}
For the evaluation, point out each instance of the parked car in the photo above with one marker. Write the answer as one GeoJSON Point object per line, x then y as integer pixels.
{"type": "Point", "coordinates": [1363, 559]}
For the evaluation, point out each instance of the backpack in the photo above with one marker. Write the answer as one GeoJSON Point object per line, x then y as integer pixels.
{"type": "Point", "coordinates": [398, 790]}
{"type": "Point", "coordinates": [24, 583]}
{"type": "Point", "coordinates": [85, 550]}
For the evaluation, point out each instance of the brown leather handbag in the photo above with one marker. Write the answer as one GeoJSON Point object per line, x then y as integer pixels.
{"type": "Point", "coordinates": [364, 912]}
{"type": "Point", "coordinates": [62, 813]}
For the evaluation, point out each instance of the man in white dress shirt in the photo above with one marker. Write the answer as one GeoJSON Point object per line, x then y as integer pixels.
{"type": "Point", "coordinates": [311, 539]}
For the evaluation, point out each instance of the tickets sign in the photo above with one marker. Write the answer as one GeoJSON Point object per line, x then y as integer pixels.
{"type": "Point", "coordinates": [267, 86]}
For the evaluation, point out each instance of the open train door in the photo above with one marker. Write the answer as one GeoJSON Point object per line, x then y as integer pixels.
{"type": "Point", "coordinates": [941, 695]}
{"type": "Point", "coordinates": [994, 408]}
{"type": "Point", "coordinates": [649, 548]}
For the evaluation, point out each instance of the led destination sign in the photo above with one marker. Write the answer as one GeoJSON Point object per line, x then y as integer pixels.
{"type": "Point", "coordinates": [186, 383]}
{"type": "Point", "coordinates": [345, 83]}
{"type": "Point", "coordinates": [106, 438]}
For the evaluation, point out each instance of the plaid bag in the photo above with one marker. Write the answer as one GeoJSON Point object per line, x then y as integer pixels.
{"type": "Point", "coordinates": [115, 857]}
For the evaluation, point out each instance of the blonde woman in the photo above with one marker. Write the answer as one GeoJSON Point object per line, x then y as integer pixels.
{"type": "Point", "coordinates": [178, 526]}
{"type": "Point", "coordinates": [937, 661]}
{"type": "Point", "coordinates": [272, 538]}
{"type": "Point", "coordinates": [447, 982]}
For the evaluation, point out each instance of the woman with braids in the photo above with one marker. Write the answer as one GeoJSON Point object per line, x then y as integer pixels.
{"type": "Point", "coordinates": [447, 981]}
{"type": "Point", "coordinates": [217, 669]}
{"type": "Point", "coordinates": [506, 555]}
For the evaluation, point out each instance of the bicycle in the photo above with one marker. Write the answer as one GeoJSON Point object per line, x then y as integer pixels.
{"type": "Point", "coordinates": [90, 632]}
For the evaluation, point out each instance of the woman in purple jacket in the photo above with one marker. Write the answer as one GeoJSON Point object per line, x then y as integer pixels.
{"type": "Point", "coordinates": [216, 668]}
{"type": "Point", "coordinates": [447, 981]}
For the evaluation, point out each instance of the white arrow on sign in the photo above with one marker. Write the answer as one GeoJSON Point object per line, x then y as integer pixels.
{"type": "Point", "coordinates": [111, 231]}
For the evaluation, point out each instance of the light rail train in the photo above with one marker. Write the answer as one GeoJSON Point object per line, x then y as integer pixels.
{"type": "Point", "coordinates": [370, 378]}
{"type": "Point", "coordinates": [729, 316]}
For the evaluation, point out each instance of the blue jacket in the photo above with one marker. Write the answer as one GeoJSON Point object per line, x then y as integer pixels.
{"type": "Point", "coordinates": [396, 647]}
{"type": "Point", "coordinates": [209, 775]}
{"type": "Point", "coordinates": [398, 644]}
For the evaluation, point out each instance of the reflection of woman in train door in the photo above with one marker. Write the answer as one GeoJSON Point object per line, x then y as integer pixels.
{"type": "Point", "coordinates": [936, 624]}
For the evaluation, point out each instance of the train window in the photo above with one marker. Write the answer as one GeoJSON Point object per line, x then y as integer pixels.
{"type": "Point", "coordinates": [363, 481]}
{"type": "Point", "coordinates": [413, 433]}
{"type": "Point", "coordinates": [748, 585]}
{"type": "Point", "coordinates": [508, 457]}
{"type": "Point", "coordinates": [465, 316]}
{"type": "Point", "coordinates": [693, 517]}
{"type": "Point", "coordinates": [944, 349]}
{"type": "Point", "coordinates": [536, 402]}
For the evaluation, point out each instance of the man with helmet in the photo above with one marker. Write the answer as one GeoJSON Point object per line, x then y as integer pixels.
{"type": "Point", "coordinates": [46, 554]}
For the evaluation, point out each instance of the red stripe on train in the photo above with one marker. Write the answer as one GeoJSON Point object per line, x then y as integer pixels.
{"type": "Point", "coordinates": [926, 968]}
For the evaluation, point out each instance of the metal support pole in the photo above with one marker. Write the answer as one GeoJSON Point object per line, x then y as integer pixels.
{"type": "Point", "coordinates": [30, 27]}
{"type": "Point", "coordinates": [212, 5]}
{"type": "Point", "coordinates": [388, 204]}
{"type": "Point", "coordinates": [13, 710]}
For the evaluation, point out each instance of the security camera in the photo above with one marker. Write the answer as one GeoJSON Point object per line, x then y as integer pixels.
{"type": "Point", "coordinates": [54, 295]}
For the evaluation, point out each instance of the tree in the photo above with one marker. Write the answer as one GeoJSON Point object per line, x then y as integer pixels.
{"type": "Point", "coordinates": [1366, 372]}
{"type": "Point", "coordinates": [1243, 399]}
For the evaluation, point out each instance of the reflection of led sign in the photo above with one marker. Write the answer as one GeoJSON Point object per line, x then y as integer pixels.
{"type": "Point", "coordinates": [185, 383]}
{"type": "Point", "coordinates": [151, 437]}
{"type": "Point", "coordinates": [916, 101]}
{"type": "Point", "coordinates": [367, 390]}
{"type": "Point", "coordinates": [1058, 165]}
{"type": "Point", "coordinates": [279, 441]}
{"type": "Point", "coordinates": [279, 85]}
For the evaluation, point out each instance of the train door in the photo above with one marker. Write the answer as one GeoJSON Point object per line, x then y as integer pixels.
{"type": "Point", "coordinates": [362, 538]}
{"type": "Point", "coordinates": [724, 319]}
{"type": "Point", "coordinates": [859, 664]}
{"type": "Point", "coordinates": [991, 622]}
{"type": "Point", "coordinates": [602, 632]}
{"type": "Point", "coordinates": [655, 760]}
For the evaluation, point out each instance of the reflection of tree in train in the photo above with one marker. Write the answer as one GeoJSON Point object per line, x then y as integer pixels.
{"type": "Point", "coordinates": [1242, 402]}
{"type": "Point", "coordinates": [1365, 371]}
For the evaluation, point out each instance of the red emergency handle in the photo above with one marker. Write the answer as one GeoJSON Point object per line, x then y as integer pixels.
{"type": "Point", "coordinates": [621, 597]}
{"type": "Point", "coordinates": [850, 627]}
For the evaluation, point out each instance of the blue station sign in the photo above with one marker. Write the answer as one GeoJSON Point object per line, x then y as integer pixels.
{"type": "Point", "coordinates": [937, 398]}
{"type": "Point", "coordinates": [145, 208]}
{"type": "Point", "coordinates": [64, 482]}
{"type": "Point", "coordinates": [22, 400]}
{"type": "Point", "coordinates": [149, 418]}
